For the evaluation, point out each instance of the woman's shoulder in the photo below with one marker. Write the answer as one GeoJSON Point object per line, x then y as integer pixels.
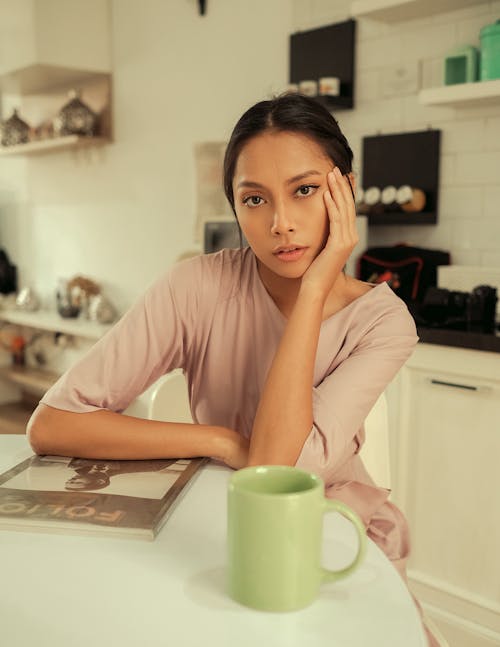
{"type": "Point", "coordinates": [376, 308]}
{"type": "Point", "coordinates": [351, 294]}
{"type": "Point", "coordinates": [380, 294]}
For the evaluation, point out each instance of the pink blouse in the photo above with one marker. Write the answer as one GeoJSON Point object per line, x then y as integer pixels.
{"type": "Point", "coordinates": [212, 317]}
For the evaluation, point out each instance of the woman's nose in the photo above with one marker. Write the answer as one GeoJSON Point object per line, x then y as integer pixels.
{"type": "Point", "coordinates": [282, 223]}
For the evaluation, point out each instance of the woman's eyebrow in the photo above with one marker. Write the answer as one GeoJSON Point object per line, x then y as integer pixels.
{"type": "Point", "coordinates": [295, 178]}
{"type": "Point", "coordinates": [301, 176]}
{"type": "Point", "coordinates": [250, 185]}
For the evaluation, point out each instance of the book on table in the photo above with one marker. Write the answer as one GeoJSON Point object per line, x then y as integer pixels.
{"type": "Point", "coordinates": [129, 498]}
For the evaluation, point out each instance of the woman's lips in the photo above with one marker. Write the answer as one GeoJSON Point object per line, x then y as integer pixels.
{"type": "Point", "coordinates": [289, 255]}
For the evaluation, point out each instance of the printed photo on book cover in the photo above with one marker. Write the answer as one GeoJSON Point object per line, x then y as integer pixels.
{"type": "Point", "coordinates": [144, 479]}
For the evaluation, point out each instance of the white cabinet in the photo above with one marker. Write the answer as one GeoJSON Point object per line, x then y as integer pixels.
{"type": "Point", "coordinates": [447, 481]}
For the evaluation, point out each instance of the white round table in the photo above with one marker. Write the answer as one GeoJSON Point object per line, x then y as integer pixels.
{"type": "Point", "coordinates": [61, 590]}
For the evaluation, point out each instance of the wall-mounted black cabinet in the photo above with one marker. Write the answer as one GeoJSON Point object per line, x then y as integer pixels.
{"type": "Point", "coordinates": [399, 159]}
{"type": "Point", "coordinates": [323, 52]}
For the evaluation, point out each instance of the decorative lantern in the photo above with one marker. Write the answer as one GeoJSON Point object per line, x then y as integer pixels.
{"type": "Point", "coordinates": [76, 118]}
{"type": "Point", "coordinates": [15, 131]}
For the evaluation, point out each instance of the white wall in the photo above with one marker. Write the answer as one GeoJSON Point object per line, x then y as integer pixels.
{"type": "Point", "coordinates": [123, 213]}
{"type": "Point", "coordinates": [469, 200]}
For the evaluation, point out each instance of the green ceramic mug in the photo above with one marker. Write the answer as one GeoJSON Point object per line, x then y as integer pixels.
{"type": "Point", "coordinates": [275, 526]}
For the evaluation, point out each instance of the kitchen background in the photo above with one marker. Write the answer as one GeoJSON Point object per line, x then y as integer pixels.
{"type": "Point", "coordinates": [122, 213]}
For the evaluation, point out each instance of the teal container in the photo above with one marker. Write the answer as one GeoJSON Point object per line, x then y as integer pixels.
{"type": "Point", "coordinates": [490, 52]}
{"type": "Point", "coordinates": [461, 65]}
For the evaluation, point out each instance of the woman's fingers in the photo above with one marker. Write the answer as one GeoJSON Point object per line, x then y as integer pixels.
{"type": "Point", "coordinates": [335, 193]}
{"type": "Point", "coordinates": [339, 186]}
{"type": "Point", "coordinates": [341, 209]}
{"type": "Point", "coordinates": [345, 194]}
{"type": "Point", "coordinates": [331, 206]}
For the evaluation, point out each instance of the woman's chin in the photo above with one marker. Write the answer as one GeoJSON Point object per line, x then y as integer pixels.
{"type": "Point", "coordinates": [291, 271]}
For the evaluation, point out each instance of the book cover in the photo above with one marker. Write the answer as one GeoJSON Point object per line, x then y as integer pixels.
{"type": "Point", "coordinates": [74, 495]}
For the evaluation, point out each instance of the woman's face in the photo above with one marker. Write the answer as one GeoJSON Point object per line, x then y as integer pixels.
{"type": "Point", "coordinates": [278, 187]}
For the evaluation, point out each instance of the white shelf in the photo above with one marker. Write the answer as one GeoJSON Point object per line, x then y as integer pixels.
{"type": "Point", "coordinates": [53, 322]}
{"type": "Point", "coordinates": [462, 94]}
{"type": "Point", "coordinates": [40, 79]}
{"type": "Point", "coordinates": [399, 10]}
{"type": "Point", "coordinates": [55, 144]}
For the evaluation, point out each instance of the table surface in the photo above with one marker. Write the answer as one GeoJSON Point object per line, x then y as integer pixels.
{"type": "Point", "coordinates": [58, 590]}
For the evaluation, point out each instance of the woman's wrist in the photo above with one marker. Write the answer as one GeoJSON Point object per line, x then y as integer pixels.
{"type": "Point", "coordinates": [312, 293]}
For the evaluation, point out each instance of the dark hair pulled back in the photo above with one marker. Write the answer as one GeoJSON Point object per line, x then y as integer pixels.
{"type": "Point", "coordinates": [288, 112]}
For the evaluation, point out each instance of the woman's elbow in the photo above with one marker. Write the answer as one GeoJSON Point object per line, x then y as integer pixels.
{"type": "Point", "coordinates": [38, 430]}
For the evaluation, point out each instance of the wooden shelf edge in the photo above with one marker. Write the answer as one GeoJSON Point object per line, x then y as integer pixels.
{"type": "Point", "coordinates": [392, 11]}
{"type": "Point", "coordinates": [55, 144]}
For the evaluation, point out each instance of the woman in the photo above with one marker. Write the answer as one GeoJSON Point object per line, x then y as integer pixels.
{"type": "Point", "coordinates": [285, 355]}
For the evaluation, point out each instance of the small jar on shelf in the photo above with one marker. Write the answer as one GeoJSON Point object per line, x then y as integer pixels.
{"type": "Point", "coordinates": [373, 200]}
{"type": "Point", "coordinates": [389, 198]}
{"type": "Point", "coordinates": [410, 199]}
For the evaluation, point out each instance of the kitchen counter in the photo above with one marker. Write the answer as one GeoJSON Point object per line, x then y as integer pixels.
{"type": "Point", "coordinates": [459, 338]}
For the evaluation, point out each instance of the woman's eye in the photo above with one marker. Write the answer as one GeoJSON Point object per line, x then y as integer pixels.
{"type": "Point", "coordinates": [251, 201]}
{"type": "Point", "coordinates": [307, 189]}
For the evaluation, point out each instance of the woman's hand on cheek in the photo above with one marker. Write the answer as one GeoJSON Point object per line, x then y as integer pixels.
{"type": "Point", "coordinates": [342, 238]}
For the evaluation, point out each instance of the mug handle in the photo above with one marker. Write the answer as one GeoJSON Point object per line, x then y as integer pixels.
{"type": "Point", "coordinates": [332, 505]}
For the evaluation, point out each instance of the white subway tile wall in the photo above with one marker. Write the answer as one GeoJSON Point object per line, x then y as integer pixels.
{"type": "Point", "coordinates": [492, 132]}
{"type": "Point", "coordinates": [463, 136]}
{"type": "Point", "coordinates": [491, 200]}
{"type": "Point", "coordinates": [469, 201]}
{"type": "Point", "coordinates": [459, 202]}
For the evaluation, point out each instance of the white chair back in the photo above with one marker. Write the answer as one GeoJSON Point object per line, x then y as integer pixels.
{"type": "Point", "coordinates": [375, 451]}
{"type": "Point", "coordinates": [166, 400]}
{"type": "Point", "coordinates": [169, 399]}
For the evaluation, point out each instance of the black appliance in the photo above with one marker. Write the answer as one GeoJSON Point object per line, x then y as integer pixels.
{"type": "Point", "coordinates": [470, 311]}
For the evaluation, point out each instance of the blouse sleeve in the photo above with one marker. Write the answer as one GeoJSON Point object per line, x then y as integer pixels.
{"type": "Point", "coordinates": [342, 401]}
{"type": "Point", "coordinates": [149, 340]}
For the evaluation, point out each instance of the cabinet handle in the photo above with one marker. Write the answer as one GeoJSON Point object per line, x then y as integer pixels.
{"type": "Point", "coordinates": [467, 387]}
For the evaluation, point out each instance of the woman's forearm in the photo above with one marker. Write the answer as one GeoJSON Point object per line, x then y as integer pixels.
{"type": "Point", "coordinates": [284, 417]}
{"type": "Point", "coordinates": [106, 435]}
